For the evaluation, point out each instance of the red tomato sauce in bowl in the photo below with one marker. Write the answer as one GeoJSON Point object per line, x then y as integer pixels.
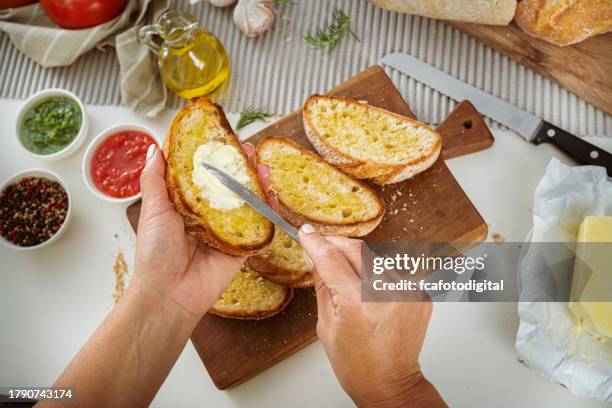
{"type": "Point", "coordinates": [118, 161]}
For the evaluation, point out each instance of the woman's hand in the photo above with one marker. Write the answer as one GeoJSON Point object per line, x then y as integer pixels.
{"type": "Point", "coordinates": [175, 282]}
{"type": "Point", "coordinates": [373, 346]}
{"type": "Point", "coordinates": [169, 262]}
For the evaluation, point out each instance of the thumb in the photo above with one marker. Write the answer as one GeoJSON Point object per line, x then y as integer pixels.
{"type": "Point", "coordinates": [330, 266]}
{"type": "Point", "coordinates": [152, 183]}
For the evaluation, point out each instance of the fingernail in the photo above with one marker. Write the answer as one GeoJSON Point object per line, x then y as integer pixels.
{"type": "Point", "coordinates": [151, 151]}
{"type": "Point", "coordinates": [308, 261]}
{"type": "Point", "coordinates": [307, 229]}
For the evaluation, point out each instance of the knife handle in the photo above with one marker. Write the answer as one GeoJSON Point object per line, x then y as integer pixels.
{"type": "Point", "coordinates": [578, 149]}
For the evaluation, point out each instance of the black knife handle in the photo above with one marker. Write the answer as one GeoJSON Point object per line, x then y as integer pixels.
{"type": "Point", "coordinates": [575, 147]}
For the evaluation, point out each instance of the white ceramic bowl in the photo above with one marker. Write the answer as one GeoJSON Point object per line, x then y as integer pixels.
{"type": "Point", "coordinates": [93, 146]}
{"type": "Point", "coordinates": [37, 98]}
{"type": "Point", "coordinates": [48, 175]}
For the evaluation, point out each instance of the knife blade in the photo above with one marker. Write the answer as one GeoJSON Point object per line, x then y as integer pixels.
{"type": "Point", "coordinates": [253, 200]}
{"type": "Point", "coordinates": [532, 128]}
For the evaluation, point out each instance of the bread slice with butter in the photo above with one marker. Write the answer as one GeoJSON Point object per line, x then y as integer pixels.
{"type": "Point", "coordinates": [369, 142]}
{"type": "Point", "coordinates": [251, 296]}
{"type": "Point", "coordinates": [310, 190]}
{"type": "Point", "coordinates": [283, 262]}
{"type": "Point", "coordinates": [212, 213]}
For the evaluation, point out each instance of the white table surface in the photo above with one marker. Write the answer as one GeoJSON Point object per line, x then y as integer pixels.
{"type": "Point", "coordinates": [51, 300]}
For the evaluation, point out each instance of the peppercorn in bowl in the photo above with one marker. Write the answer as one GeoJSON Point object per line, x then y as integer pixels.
{"type": "Point", "coordinates": [35, 208]}
{"type": "Point", "coordinates": [52, 124]}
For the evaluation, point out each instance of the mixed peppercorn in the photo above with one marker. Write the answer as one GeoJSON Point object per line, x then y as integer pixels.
{"type": "Point", "coordinates": [32, 210]}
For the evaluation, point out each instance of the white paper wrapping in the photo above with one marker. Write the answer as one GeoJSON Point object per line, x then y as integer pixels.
{"type": "Point", "coordinates": [548, 340]}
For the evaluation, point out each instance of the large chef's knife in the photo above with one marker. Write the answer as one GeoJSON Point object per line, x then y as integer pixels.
{"type": "Point", "coordinates": [532, 128]}
{"type": "Point", "coordinates": [253, 200]}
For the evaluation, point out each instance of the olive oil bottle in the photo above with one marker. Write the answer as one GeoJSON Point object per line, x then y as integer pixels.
{"type": "Point", "coordinates": [192, 62]}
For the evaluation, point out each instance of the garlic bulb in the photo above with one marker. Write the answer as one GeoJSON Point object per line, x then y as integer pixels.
{"type": "Point", "coordinates": [221, 3]}
{"type": "Point", "coordinates": [254, 17]}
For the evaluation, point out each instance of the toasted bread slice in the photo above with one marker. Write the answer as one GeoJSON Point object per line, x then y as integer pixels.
{"type": "Point", "coordinates": [369, 142]}
{"type": "Point", "coordinates": [251, 296]}
{"type": "Point", "coordinates": [213, 214]}
{"type": "Point", "coordinates": [310, 190]}
{"type": "Point", "coordinates": [283, 262]}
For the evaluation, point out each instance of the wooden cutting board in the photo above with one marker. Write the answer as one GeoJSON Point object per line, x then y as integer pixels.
{"type": "Point", "coordinates": [583, 68]}
{"type": "Point", "coordinates": [432, 207]}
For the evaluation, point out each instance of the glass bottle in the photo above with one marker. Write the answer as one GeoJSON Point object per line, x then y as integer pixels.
{"type": "Point", "coordinates": [192, 61]}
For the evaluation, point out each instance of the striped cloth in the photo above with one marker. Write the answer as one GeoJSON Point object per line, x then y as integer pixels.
{"type": "Point", "coordinates": [277, 71]}
{"type": "Point", "coordinates": [33, 33]}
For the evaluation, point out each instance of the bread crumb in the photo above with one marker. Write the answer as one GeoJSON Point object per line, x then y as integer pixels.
{"type": "Point", "coordinates": [120, 267]}
{"type": "Point", "coordinates": [498, 238]}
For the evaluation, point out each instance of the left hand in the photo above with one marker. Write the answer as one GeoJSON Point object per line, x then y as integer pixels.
{"type": "Point", "coordinates": [169, 262]}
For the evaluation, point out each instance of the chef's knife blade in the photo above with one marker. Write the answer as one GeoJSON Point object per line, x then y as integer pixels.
{"type": "Point", "coordinates": [253, 200]}
{"type": "Point", "coordinates": [527, 125]}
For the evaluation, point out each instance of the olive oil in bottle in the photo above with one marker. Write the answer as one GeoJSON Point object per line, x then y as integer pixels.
{"type": "Point", "coordinates": [192, 62]}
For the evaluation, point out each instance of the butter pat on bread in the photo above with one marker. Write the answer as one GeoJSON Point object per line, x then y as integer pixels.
{"type": "Point", "coordinates": [213, 214]}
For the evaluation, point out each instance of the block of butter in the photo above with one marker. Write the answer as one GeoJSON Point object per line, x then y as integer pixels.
{"type": "Point", "coordinates": [592, 279]}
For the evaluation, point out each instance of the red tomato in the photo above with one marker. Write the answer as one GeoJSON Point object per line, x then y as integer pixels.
{"type": "Point", "coordinates": [82, 13]}
{"type": "Point", "coordinates": [4, 4]}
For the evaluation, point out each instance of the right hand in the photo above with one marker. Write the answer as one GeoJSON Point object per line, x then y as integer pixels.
{"type": "Point", "coordinates": [373, 347]}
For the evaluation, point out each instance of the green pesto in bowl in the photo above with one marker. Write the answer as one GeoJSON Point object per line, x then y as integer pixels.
{"type": "Point", "coordinates": [51, 125]}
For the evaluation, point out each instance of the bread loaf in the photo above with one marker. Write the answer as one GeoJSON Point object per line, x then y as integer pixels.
{"type": "Point", "coordinates": [564, 22]}
{"type": "Point", "coordinates": [496, 12]}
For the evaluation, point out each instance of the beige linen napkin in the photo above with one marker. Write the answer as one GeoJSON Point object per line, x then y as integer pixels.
{"type": "Point", "coordinates": [37, 36]}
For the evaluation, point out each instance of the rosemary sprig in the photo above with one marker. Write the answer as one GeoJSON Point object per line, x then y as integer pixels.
{"type": "Point", "coordinates": [280, 2]}
{"type": "Point", "coordinates": [331, 35]}
{"type": "Point", "coordinates": [249, 116]}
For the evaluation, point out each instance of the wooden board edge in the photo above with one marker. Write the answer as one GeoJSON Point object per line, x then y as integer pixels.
{"type": "Point", "coordinates": [221, 385]}
{"type": "Point", "coordinates": [537, 50]}
{"type": "Point", "coordinates": [464, 122]}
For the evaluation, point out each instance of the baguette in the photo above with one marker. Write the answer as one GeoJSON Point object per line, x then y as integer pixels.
{"type": "Point", "coordinates": [369, 142]}
{"type": "Point", "coordinates": [495, 12]}
{"type": "Point", "coordinates": [251, 296]}
{"type": "Point", "coordinates": [213, 214]}
{"type": "Point", "coordinates": [283, 262]}
{"type": "Point", "coordinates": [564, 22]}
{"type": "Point", "coordinates": [309, 190]}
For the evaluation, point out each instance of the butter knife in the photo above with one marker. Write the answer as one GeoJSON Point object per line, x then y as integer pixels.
{"type": "Point", "coordinates": [532, 128]}
{"type": "Point", "coordinates": [253, 200]}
